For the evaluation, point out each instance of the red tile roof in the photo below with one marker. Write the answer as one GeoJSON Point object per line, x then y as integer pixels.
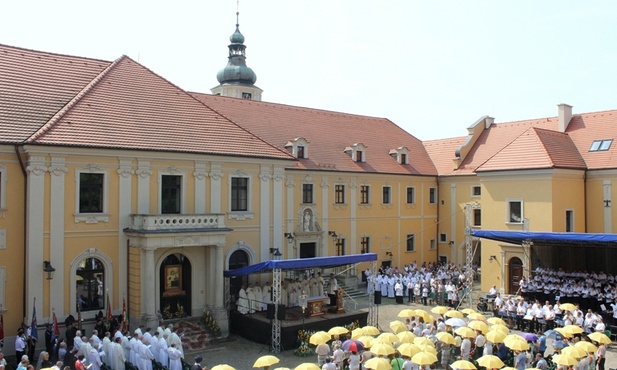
{"type": "Point", "coordinates": [35, 85]}
{"type": "Point", "coordinates": [328, 133]}
{"type": "Point", "coordinates": [587, 127]}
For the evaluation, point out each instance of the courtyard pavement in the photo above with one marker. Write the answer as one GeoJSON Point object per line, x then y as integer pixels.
{"type": "Point", "coordinates": [241, 353]}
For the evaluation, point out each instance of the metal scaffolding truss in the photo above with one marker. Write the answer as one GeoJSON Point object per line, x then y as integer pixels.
{"type": "Point", "coordinates": [276, 324]}
{"type": "Point", "coordinates": [470, 251]}
{"type": "Point", "coordinates": [373, 317]}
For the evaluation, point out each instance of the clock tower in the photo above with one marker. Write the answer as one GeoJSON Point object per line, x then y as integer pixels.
{"type": "Point", "coordinates": [236, 79]}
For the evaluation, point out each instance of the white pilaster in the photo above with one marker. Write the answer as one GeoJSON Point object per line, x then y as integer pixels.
{"type": "Point", "coordinates": [289, 184]}
{"type": "Point", "coordinates": [218, 278]}
{"type": "Point", "coordinates": [211, 275]}
{"type": "Point", "coordinates": [200, 175]}
{"type": "Point", "coordinates": [215, 188]}
{"type": "Point", "coordinates": [58, 171]}
{"type": "Point", "coordinates": [277, 209]}
{"type": "Point", "coordinates": [325, 212]}
{"type": "Point", "coordinates": [125, 184]}
{"type": "Point", "coordinates": [149, 290]}
{"type": "Point", "coordinates": [265, 176]}
{"type": "Point", "coordinates": [454, 247]}
{"type": "Point", "coordinates": [143, 187]}
{"type": "Point", "coordinates": [353, 207]}
{"type": "Point", "coordinates": [35, 204]}
{"type": "Point", "coordinates": [608, 220]}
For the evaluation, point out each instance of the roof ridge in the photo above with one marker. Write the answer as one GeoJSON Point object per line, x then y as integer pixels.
{"type": "Point", "coordinates": [52, 53]}
{"type": "Point", "coordinates": [76, 99]}
{"type": "Point", "coordinates": [544, 149]}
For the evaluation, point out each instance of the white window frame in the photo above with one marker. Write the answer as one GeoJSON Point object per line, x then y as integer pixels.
{"type": "Point", "coordinates": [92, 218]}
{"type": "Point", "coordinates": [172, 172]}
{"type": "Point", "coordinates": [432, 244]}
{"type": "Point", "coordinates": [509, 201]}
{"type": "Point", "coordinates": [241, 215]}
{"type": "Point", "coordinates": [413, 242]}
{"type": "Point", "coordinates": [473, 187]}
{"type": "Point", "coordinates": [443, 238]}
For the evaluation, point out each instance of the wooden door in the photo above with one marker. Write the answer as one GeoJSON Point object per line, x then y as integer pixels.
{"type": "Point", "coordinates": [515, 274]}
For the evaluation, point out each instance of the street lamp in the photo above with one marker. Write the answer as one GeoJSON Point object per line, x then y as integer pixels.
{"type": "Point", "coordinates": [48, 269]}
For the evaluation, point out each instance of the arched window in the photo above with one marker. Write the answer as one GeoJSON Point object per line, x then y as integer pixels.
{"type": "Point", "coordinates": [90, 284]}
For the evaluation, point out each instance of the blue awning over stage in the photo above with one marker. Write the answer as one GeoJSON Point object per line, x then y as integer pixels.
{"type": "Point", "coordinates": [549, 238]}
{"type": "Point", "coordinates": [302, 263]}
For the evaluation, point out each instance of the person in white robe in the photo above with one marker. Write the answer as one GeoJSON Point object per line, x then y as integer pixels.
{"type": "Point", "coordinates": [175, 339]}
{"type": "Point", "coordinates": [320, 285]}
{"type": "Point", "coordinates": [292, 293]}
{"type": "Point", "coordinates": [283, 296]}
{"type": "Point", "coordinates": [163, 354]}
{"type": "Point", "coordinates": [117, 355]}
{"type": "Point", "coordinates": [332, 284]}
{"type": "Point", "coordinates": [266, 294]}
{"type": "Point", "coordinates": [134, 349]}
{"type": "Point", "coordinates": [314, 289]}
{"type": "Point", "coordinates": [259, 302]}
{"type": "Point", "coordinates": [391, 282]}
{"type": "Point", "coordinates": [126, 346]}
{"type": "Point", "coordinates": [250, 294]}
{"type": "Point", "coordinates": [175, 359]}
{"type": "Point", "coordinates": [148, 335]}
{"type": "Point", "coordinates": [154, 346]}
{"type": "Point", "coordinates": [106, 354]}
{"type": "Point", "coordinates": [77, 341]}
{"type": "Point", "coordinates": [94, 358]}
{"type": "Point", "coordinates": [85, 348]}
{"type": "Point", "coordinates": [145, 356]}
{"type": "Point", "coordinates": [168, 333]}
{"type": "Point", "coordinates": [242, 303]}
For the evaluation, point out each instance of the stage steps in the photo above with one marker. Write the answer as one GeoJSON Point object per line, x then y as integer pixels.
{"type": "Point", "coordinates": [354, 291]}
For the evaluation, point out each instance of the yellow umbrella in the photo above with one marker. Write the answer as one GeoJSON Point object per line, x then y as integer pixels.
{"type": "Point", "coordinates": [307, 366]}
{"type": "Point", "coordinates": [496, 320]}
{"type": "Point", "coordinates": [388, 337]}
{"type": "Point", "coordinates": [454, 314]}
{"type": "Point", "coordinates": [357, 333]}
{"type": "Point", "coordinates": [428, 348]}
{"type": "Point", "coordinates": [574, 351]}
{"type": "Point", "coordinates": [517, 345]}
{"type": "Point", "coordinates": [440, 310]}
{"type": "Point", "coordinates": [377, 363]}
{"type": "Point", "coordinates": [468, 311]}
{"type": "Point", "coordinates": [424, 358]}
{"type": "Point", "coordinates": [512, 337]}
{"type": "Point", "coordinates": [495, 336]}
{"type": "Point", "coordinates": [463, 365]}
{"type": "Point", "coordinates": [465, 332]}
{"type": "Point", "coordinates": [424, 315]}
{"type": "Point", "coordinates": [490, 362]}
{"type": "Point", "coordinates": [367, 341]}
{"type": "Point", "coordinates": [265, 361]}
{"type": "Point", "coordinates": [319, 337]}
{"type": "Point", "coordinates": [567, 306]}
{"type": "Point", "coordinates": [422, 341]}
{"type": "Point", "coordinates": [408, 349]}
{"type": "Point", "coordinates": [223, 367]}
{"type": "Point", "coordinates": [476, 316]}
{"type": "Point", "coordinates": [397, 326]}
{"type": "Point", "coordinates": [599, 337]}
{"type": "Point", "coordinates": [370, 330]}
{"type": "Point", "coordinates": [408, 312]}
{"type": "Point", "coordinates": [573, 329]}
{"type": "Point", "coordinates": [382, 349]}
{"type": "Point", "coordinates": [564, 360]}
{"type": "Point", "coordinates": [445, 337]}
{"type": "Point", "coordinates": [406, 337]}
{"type": "Point", "coordinates": [338, 330]}
{"type": "Point", "coordinates": [478, 325]}
{"type": "Point", "coordinates": [586, 346]}
{"type": "Point", "coordinates": [499, 327]}
{"type": "Point", "coordinates": [564, 332]}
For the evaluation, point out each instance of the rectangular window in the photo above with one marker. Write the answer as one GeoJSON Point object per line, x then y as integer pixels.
{"type": "Point", "coordinates": [340, 247]}
{"type": "Point", "coordinates": [515, 211]}
{"type": "Point", "coordinates": [600, 145]}
{"type": "Point", "coordinates": [300, 151]}
{"type": "Point", "coordinates": [411, 242]}
{"type": "Point", "coordinates": [433, 244]}
{"type": "Point", "coordinates": [432, 195]}
{"type": "Point", "coordinates": [247, 95]}
{"type": "Point", "coordinates": [443, 238]}
{"type": "Point", "coordinates": [307, 193]}
{"type": "Point", "coordinates": [359, 156]}
{"type": "Point", "coordinates": [91, 192]}
{"type": "Point", "coordinates": [339, 194]}
{"type": "Point", "coordinates": [387, 197]}
{"type": "Point", "coordinates": [569, 221]}
{"type": "Point", "coordinates": [411, 195]}
{"type": "Point", "coordinates": [239, 193]}
{"type": "Point", "coordinates": [365, 244]}
{"type": "Point", "coordinates": [171, 194]}
{"type": "Point", "coordinates": [476, 191]}
{"type": "Point", "coordinates": [477, 217]}
{"type": "Point", "coordinates": [403, 158]}
{"type": "Point", "coordinates": [364, 194]}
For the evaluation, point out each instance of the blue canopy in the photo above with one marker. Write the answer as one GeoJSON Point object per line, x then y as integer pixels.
{"type": "Point", "coordinates": [301, 263]}
{"type": "Point", "coordinates": [549, 238]}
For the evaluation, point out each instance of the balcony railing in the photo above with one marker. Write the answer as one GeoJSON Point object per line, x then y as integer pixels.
{"type": "Point", "coordinates": [177, 222]}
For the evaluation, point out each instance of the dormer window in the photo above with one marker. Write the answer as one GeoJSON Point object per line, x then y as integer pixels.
{"type": "Point", "coordinates": [356, 152]}
{"type": "Point", "coordinates": [298, 147]}
{"type": "Point", "coordinates": [400, 154]}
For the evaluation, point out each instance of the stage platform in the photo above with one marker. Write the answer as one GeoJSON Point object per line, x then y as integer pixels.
{"type": "Point", "coordinates": [257, 328]}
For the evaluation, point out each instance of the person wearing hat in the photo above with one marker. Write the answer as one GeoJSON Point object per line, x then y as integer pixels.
{"type": "Point", "coordinates": [197, 364]}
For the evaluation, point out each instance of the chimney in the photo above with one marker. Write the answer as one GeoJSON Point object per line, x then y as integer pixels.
{"type": "Point", "coordinates": [488, 122]}
{"type": "Point", "coordinates": [564, 113]}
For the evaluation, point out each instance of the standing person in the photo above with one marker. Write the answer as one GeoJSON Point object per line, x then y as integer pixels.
{"type": "Point", "coordinates": [541, 362]}
{"type": "Point", "coordinates": [49, 339]}
{"type": "Point", "coordinates": [601, 356]}
{"type": "Point", "coordinates": [398, 291]}
{"type": "Point", "coordinates": [175, 359]}
{"type": "Point", "coordinates": [329, 365]}
{"type": "Point", "coordinates": [354, 361]}
{"type": "Point", "coordinates": [465, 349]}
{"type": "Point", "coordinates": [20, 345]}
{"type": "Point", "coordinates": [117, 355]}
{"type": "Point", "coordinates": [79, 364]}
{"type": "Point", "coordinates": [337, 356]}
{"type": "Point", "coordinates": [197, 364]}
{"type": "Point", "coordinates": [445, 355]}
{"type": "Point", "coordinates": [322, 350]}
{"type": "Point", "coordinates": [520, 362]}
{"type": "Point", "coordinates": [94, 358]}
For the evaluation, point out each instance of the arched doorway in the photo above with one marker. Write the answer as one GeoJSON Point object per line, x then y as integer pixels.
{"type": "Point", "coordinates": [175, 286]}
{"type": "Point", "coordinates": [90, 284]}
{"type": "Point", "coordinates": [238, 259]}
{"type": "Point", "coordinates": [515, 274]}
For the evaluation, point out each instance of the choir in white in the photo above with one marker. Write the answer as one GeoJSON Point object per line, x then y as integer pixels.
{"type": "Point", "coordinates": [164, 346]}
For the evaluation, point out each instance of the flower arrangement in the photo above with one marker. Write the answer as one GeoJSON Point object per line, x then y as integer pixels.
{"type": "Point", "coordinates": [354, 325]}
{"type": "Point", "coordinates": [167, 312]}
{"type": "Point", "coordinates": [180, 310]}
{"type": "Point", "coordinates": [303, 349]}
{"type": "Point", "coordinates": [211, 323]}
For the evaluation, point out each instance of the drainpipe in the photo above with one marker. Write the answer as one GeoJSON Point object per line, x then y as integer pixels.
{"type": "Point", "coordinates": [25, 174]}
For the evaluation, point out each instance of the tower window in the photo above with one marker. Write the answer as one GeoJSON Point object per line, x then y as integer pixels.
{"type": "Point", "coordinates": [247, 95]}
{"type": "Point", "coordinates": [359, 157]}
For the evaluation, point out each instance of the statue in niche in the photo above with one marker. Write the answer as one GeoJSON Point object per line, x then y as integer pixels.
{"type": "Point", "coordinates": [307, 221]}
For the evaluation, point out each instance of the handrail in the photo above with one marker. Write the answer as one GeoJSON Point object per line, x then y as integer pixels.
{"type": "Point", "coordinates": [353, 300]}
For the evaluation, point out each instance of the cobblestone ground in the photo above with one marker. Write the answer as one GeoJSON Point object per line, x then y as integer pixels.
{"type": "Point", "coordinates": [241, 353]}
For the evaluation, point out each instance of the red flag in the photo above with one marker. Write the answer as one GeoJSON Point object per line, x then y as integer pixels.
{"type": "Point", "coordinates": [56, 327]}
{"type": "Point", "coordinates": [108, 308]}
{"type": "Point", "coordinates": [125, 322]}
